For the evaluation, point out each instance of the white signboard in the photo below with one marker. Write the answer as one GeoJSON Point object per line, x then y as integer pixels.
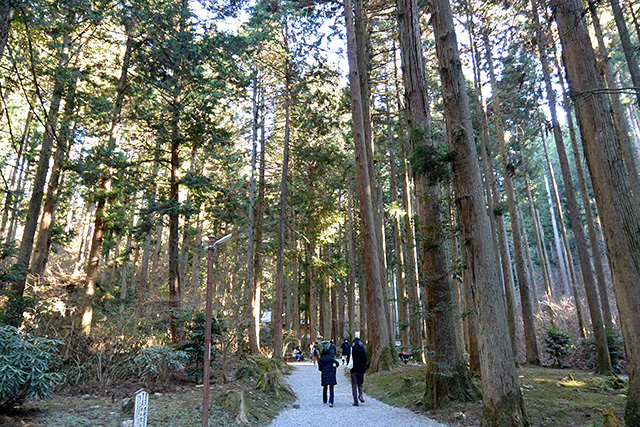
{"type": "Point", "coordinates": [142, 409]}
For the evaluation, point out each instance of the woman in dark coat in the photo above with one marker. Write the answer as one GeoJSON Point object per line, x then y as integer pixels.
{"type": "Point", "coordinates": [327, 365]}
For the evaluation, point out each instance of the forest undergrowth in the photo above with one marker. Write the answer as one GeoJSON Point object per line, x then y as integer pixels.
{"type": "Point", "coordinates": [254, 395]}
{"type": "Point", "coordinates": [129, 349]}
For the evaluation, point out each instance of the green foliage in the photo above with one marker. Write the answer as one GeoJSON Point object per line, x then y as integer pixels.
{"type": "Point", "coordinates": [11, 313]}
{"type": "Point", "coordinates": [615, 345]}
{"type": "Point", "coordinates": [157, 363]}
{"type": "Point", "coordinates": [432, 162]}
{"type": "Point", "coordinates": [557, 344]}
{"type": "Point", "coordinates": [25, 367]}
{"type": "Point", "coordinates": [616, 348]}
{"type": "Point", "coordinates": [9, 274]}
{"type": "Point", "coordinates": [500, 208]}
{"type": "Point", "coordinates": [193, 344]}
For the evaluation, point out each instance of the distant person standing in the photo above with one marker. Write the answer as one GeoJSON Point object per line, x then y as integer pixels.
{"type": "Point", "coordinates": [327, 365]}
{"type": "Point", "coordinates": [359, 355]}
{"type": "Point", "coordinates": [332, 349]}
{"type": "Point", "coordinates": [316, 353]}
{"type": "Point", "coordinates": [346, 352]}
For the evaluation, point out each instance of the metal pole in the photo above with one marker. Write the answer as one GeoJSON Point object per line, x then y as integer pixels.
{"type": "Point", "coordinates": [207, 334]}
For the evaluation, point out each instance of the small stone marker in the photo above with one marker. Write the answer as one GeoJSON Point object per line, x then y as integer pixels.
{"type": "Point", "coordinates": [142, 409]}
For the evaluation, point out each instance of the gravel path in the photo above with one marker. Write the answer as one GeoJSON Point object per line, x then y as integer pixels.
{"type": "Point", "coordinates": [305, 382]}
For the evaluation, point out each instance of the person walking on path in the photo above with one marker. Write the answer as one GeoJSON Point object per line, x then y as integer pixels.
{"type": "Point", "coordinates": [327, 365]}
{"type": "Point", "coordinates": [309, 409]}
{"type": "Point", "coordinates": [359, 355]}
{"type": "Point", "coordinates": [346, 352]}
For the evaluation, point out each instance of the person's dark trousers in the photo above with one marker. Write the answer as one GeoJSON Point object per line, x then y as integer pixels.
{"type": "Point", "coordinates": [324, 394]}
{"type": "Point", "coordinates": [348, 358]}
{"type": "Point", "coordinates": [357, 379]}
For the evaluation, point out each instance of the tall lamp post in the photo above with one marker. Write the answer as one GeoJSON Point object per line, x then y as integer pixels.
{"type": "Point", "coordinates": [213, 244]}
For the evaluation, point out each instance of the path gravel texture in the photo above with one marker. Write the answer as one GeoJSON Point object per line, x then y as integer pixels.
{"type": "Point", "coordinates": [305, 383]}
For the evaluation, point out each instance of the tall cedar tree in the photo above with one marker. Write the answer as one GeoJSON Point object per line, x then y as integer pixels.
{"type": "Point", "coordinates": [447, 376]}
{"type": "Point", "coordinates": [503, 403]}
{"type": "Point", "coordinates": [619, 213]}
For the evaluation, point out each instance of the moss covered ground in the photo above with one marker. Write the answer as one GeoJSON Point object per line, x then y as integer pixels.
{"type": "Point", "coordinates": [553, 397]}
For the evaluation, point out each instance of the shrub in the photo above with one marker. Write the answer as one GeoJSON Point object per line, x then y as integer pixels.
{"type": "Point", "coordinates": [193, 344]}
{"type": "Point", "coordinates": [616, 349]}
{"type": "Point", "coordinates": [25, 367]}
{"type": "Point", "coordinates": [615, 345]}
{"type": "Point", "coordinates": [157, 363]}
{"type": "Point", "coordinates": [557, 344]}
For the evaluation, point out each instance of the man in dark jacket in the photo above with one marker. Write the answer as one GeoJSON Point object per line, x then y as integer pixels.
{"type": "Point", "coordinates": [359, 355]}
{"type": "Point", "coordinates": [327, 365]}
{"type": "Point", "coordinates": [346, 352]}
{"type": "Point", "coordinates": [332, 349]}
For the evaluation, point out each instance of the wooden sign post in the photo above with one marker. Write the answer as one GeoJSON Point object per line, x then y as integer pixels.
{"type": "Point", "coordinates": [141, 409]}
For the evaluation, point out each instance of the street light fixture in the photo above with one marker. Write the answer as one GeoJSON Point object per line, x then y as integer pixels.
{"type": "Point", "coordinates": [213, 244]}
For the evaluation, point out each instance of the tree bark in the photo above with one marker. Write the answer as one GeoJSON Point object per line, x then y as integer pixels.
{"type": "Point", "coordinates": [428, 195]}
{"type": "Point", "coordinates": [21, 267]}
{"type": "Point", "coordinates": [313, 300]}
{"type": "Point", "coordinates": [124, 273]}
{"type": "Point", "coordinates": [351, 275]}
{"type": "Point", "coordinates": [448, 379]}
{"type": "Point", "coordinates": [531, 345]}
{"type": "Point", "coordinates": [502, 401]}
{"type": "Point", "coordinates": [557, 242]}
{"type": "Point", "coordinates": [103, 199]}
{"type": "Point", "coordinates": [377, 327]}
{"type": "Point", "coordinates": [324, 294]}
{"type": "Point", "coordinates": [618, 111]}
{"type": "Point", "coordinates": [618, 212]}
{"type": "Point", "coordinates": [415, 328]}
{"type": "Point", "coordinates": [255, 300]}
{"type": "Point", "coordinates": [403, 313]}
{"type": "Point", "coordinates": [187, 229]}
{"type": "Point", "coordinates": [603, 362]}
{"type": "Point", "coordinates": [410, 248]}
{"type": "Point", "coordinates": [150, 222]}
{"type": "Point", "coordinates": [282, 217]}
{"type": "Point", "coordinates": [6, 16]}
{"type": "Point", "coordinates": [362, 45]}
{"type": "Point", "coordinates": [17, 173]}
{"type": "Point", "coordinates": [197, 251]}
{"type": "Point", "coordinates": [539, 241]}
{"type": "Point", "coordinates": [295, 295]}
{"type": "Point", "coordinates": [498, 228]}
{"type": "Point", "coordinates": [527, 252]}
{"type": "Point", "coordinates": [43, 241]}
{"type": "Point", "coordinates": [622, 120]}
{"type": "Point", "coordinates": [565, 242]}
{"type": "Point", "coordinates": [630, 51]}
{"type": "Point", "coordinates": [251, 232]}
